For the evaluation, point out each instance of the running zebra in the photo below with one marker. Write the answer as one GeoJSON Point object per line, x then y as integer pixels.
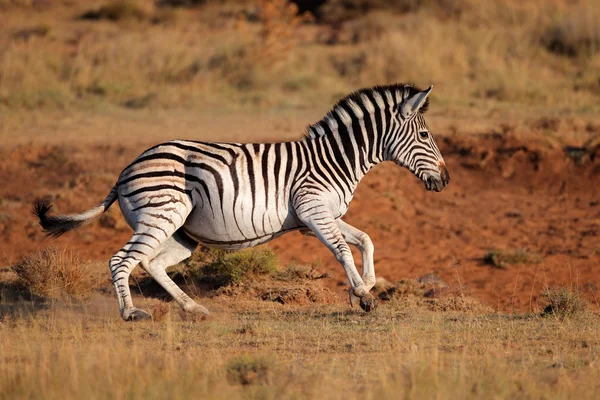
{"type": "Point", "coordinates": [233, 196]}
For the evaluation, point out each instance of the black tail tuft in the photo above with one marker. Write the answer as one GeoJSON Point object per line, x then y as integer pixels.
{"type": "Point", "coordinates": [54, 226]}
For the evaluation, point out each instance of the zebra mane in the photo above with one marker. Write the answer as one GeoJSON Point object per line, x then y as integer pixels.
{"type": "Point", "coordinates": [394, 94]}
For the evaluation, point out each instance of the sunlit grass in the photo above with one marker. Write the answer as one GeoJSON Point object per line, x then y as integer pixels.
{"type": "Point", "coordinates": [324, 351]}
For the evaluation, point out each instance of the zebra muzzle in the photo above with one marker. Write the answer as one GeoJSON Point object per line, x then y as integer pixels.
{"type": "Point", "coordinates": [438, 183]}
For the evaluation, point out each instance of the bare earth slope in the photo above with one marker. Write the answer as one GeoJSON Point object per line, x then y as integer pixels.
{"type": "Point", "coordinates": [509, 191]}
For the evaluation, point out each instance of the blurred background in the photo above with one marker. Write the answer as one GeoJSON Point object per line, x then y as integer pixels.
{"type": "Point", "coordinates": [86, 86]}
{"type": "Point", "coordinates": [292, 54]}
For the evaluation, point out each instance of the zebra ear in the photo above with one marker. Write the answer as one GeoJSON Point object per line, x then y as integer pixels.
{"type": "Point", "coordinates": [414, 103]}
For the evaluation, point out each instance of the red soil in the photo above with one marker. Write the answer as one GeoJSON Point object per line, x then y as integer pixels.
{"type": "Point", "coordinates": [505, 193]}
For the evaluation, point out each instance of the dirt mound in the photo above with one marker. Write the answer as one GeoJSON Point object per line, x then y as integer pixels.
{"type": "Point", "coordinates": [243, 275]}
{"type": "Point", "coordinates": [288, 293]}
{"type": "Point", "coordinates": [429, 292]}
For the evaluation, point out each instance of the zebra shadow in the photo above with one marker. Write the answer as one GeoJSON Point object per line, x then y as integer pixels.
{"type": "Point", "coordinates": [146, 286]}
{"type": "Point", "coordinates": [16, 301]}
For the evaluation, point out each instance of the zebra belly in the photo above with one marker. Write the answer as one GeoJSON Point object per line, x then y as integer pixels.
{"type": "Point", "coordinates": [224, 230]}
{"type": "Point", "coordinates": [233, 245]}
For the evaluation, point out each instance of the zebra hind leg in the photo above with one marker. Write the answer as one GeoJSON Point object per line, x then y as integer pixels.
{"type": "Point", "coordinates": [176, 249]}
{"type": "Point", "coordinates": [121, 265]}
{"type": "Point", "coordinates": [147, 241]}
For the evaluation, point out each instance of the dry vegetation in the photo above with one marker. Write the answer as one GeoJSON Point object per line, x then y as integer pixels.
{"type": "Point", "coordinates": [564, 302]}
{"type": "Point", "coordinates": [416, 344]}
{"type": "Point", "coordinates": [253, 349]}
{"type": "Point", "coordinates": [55, 274]}
{"type": "Point", "coordinates": [141, 53]}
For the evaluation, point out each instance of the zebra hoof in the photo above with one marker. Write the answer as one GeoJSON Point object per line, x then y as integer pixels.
{"type": "Point", "coordinates": [196, 309]}
{"type": "Point", "coordinates": [354, 300]}
{"type": "Point", "coordinates": [367, 303]}
{"type": "Point", "coordinates": [135, 314]}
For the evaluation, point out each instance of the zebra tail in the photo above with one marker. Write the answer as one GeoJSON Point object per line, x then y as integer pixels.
{"type": "Point", "coordinates": [56, 225]}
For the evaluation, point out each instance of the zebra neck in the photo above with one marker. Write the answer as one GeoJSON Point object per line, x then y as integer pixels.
{"type": "Point", "coordinates": [346, 158]}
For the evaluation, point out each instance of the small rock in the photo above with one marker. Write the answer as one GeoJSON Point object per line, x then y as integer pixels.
{"type": "Point", "coordinates": [434, 285]}
{"type": "Point", "coordinates": [382, 284]}
{"type": "Point", "coordinates": [432, 279]}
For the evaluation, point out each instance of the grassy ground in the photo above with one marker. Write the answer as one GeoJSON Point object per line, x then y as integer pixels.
{"type": "Point", "coordinates": [299, 341]}
{"type": "Point", "coordinates": [252, 349]}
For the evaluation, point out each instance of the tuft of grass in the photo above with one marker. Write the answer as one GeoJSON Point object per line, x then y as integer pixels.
{"type": "Point", "coordinates": [248, 370]}
{"type": "Point", "coordinates": [31, 32]}
{"type": "Point", "coordinates": [224, 268]}
{"type": "Point", "coordinates": [457, 303]}
{"type": "Point", "coordinates": [563, 302]}
{"type": "Point", "coordinates": [139, 102]}
{"type": "Point", "coordinates": [503, 258]}
{"type": "Point", "coordinates": [55, 274]}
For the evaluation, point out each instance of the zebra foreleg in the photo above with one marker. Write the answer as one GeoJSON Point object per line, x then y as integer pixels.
{"type": "Point", "coordinates": [324, 226]}
{"type": "Point", "coordinates": [363, 243]}
{"type": "Point", "coordinates": [175, 250]}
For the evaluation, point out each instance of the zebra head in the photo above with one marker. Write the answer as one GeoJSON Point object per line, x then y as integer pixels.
{"type": "Point", "coordinates": [411, 145]}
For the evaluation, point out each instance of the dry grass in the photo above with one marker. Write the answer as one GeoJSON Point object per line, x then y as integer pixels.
{"type": "Point", "coordinates": [564, 302]}
{"type": "Point", "coordinates": [265, 350]}
{"type": "Point", "coordinates": [574, 32]}
{"type": "Point", "coordinates": [55, 274]}
{"type": "Point", "coordinates": [262, 54]}
{"type": "Point", "coordinates": [247, 370]}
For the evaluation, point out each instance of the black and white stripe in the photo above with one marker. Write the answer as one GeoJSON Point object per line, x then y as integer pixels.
{"type": "Point", "coordinates": [232, 196]}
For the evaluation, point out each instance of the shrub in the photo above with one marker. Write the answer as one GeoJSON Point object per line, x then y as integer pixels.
{"type": "Point", "coordinates": [180, 3]}
{"type": "Point", "coordinates": [563, 302]}
{"type": "Point", "coordinates": [225, 268]}
{"type": "Point", "coordinates": [457, 303]}
{"type": "Point", "coordinates": [502, 258]}
{"type": "Point", "coordinates": [119, 10]}
{"type": "Point", "coordinates": [55, 274]}
{"type": "Point", "coordinates": [337, 11]}
{"type": "Point", "coordinates": [247, 370]}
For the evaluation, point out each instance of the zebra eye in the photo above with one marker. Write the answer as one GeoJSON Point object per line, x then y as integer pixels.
{"type": "Point", "coordinates": [424, 134]}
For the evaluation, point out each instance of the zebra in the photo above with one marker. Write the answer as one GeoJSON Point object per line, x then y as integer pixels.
{"type": "Point", "coordinates": [182, 193]}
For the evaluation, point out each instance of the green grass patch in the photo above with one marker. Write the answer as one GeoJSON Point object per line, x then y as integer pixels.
{"type": "Point", "coordinates": [219, 268]}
